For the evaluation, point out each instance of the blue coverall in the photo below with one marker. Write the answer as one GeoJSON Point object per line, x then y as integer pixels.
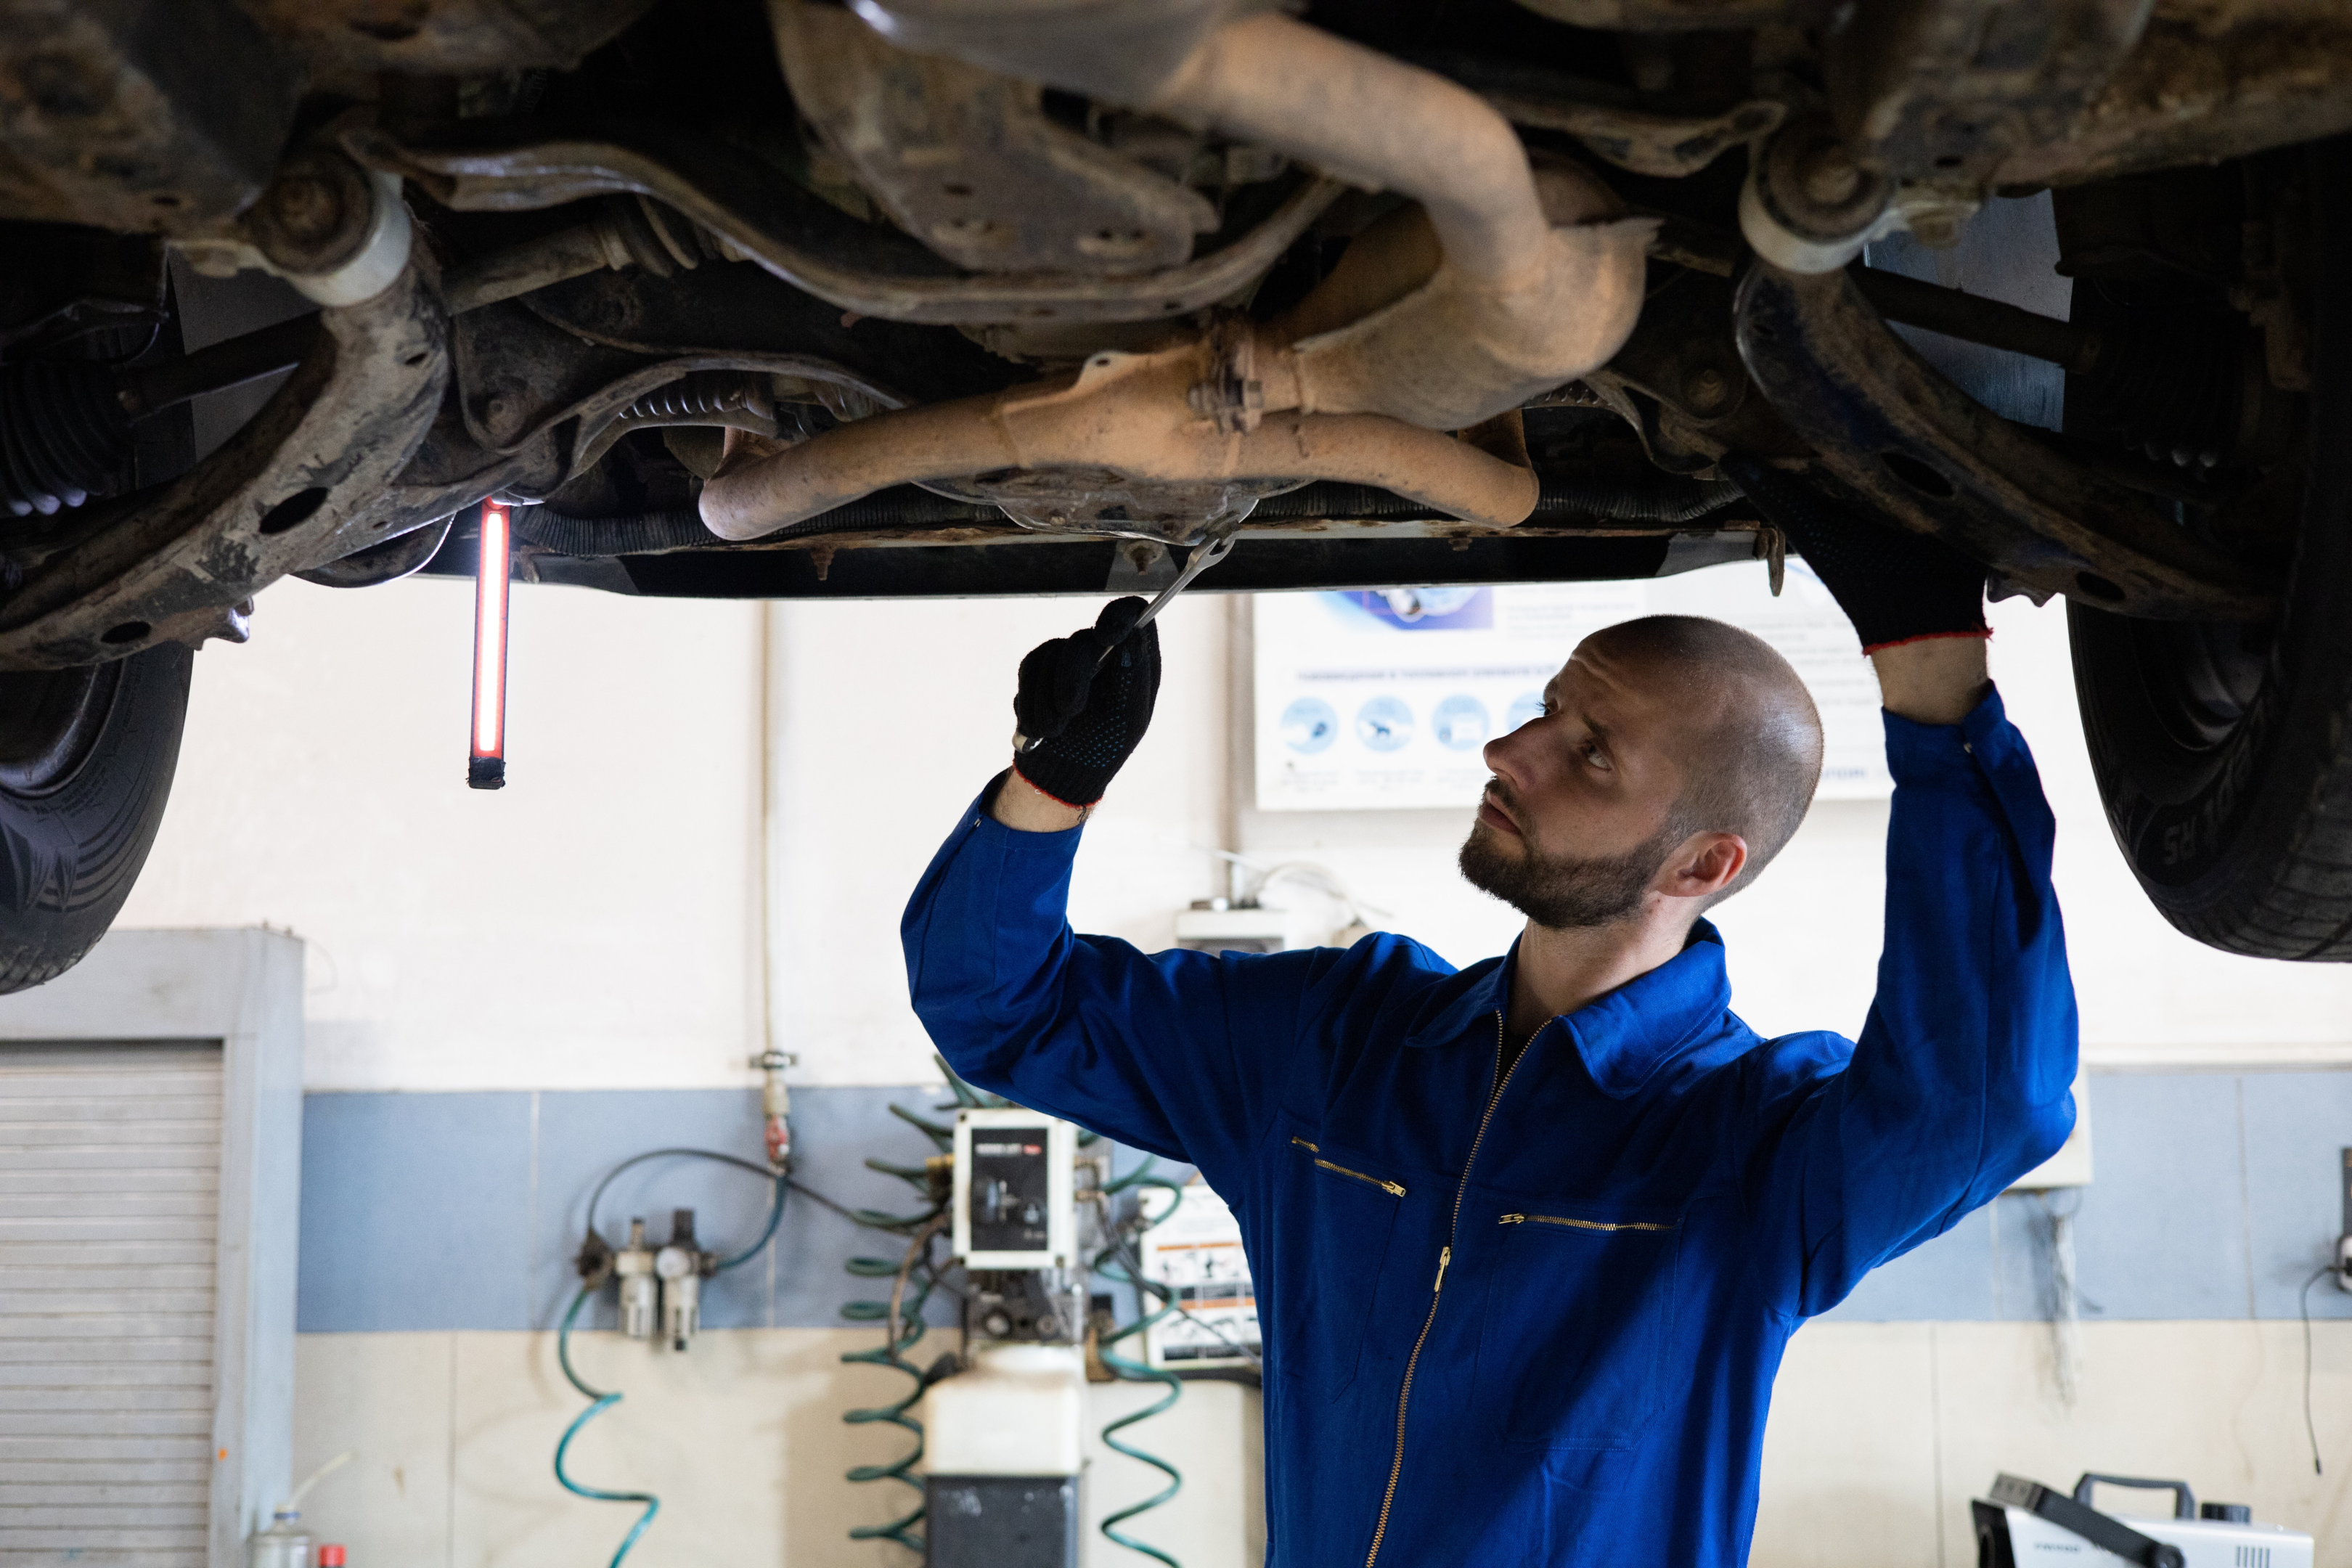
{"type": "Point", "coordinates": [1537, 1321]}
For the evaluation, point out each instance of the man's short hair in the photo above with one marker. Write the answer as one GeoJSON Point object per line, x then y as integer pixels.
{"type": "Point", "coordinates": [1753, 755]}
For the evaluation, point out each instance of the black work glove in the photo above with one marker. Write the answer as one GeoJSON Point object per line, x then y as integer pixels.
{"type": "Point", "coordinates": [1893, 585]}
{"type": "Point", "coordinates": [1080, 713]}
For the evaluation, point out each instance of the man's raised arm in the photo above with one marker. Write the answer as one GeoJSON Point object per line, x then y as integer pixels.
{"type": "Point", "coordinates": [1960, 1081]}
{"type": "Point", "coordinates": [1157, 1051]}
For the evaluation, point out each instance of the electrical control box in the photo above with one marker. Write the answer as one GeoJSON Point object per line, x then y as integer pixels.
{"type": "Point", "coordinates": [1195, 1249]}
{"type": "Point", "coordinates": [1012, 1196]}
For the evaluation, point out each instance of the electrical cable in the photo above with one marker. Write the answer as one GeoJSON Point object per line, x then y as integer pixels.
{"type": "Point", "coordinates": [737, 1161]}
{"type": "Point", "coordinates": [1134, 1262]}
{"type": "Point", "coordinates": [1121, 1255]}
{"type": "Point", "coordinates": [601, 1402]}
{"type": "Point", "coordinates": [775, 1218]}
{"type": "Point", "coordinates": [844, 1210]}
{"type": "Point", "coordinates": [2311, 1427]}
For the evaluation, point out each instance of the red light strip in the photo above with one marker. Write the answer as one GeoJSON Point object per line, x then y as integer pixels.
{"type": "Point", "coordinates": [487, 768]}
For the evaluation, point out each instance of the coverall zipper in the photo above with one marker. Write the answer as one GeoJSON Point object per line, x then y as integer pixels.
{"type": "Point", "coordinates": [1392, 1188]}
{"type": "Point", "coordinates": [1580, 1224]}
{"type": "Point", "coordinates": [1445, 1257]}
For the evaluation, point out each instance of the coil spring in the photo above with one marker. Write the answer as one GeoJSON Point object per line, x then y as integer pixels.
{"type": "Point", "coordinates": [701, 394]}
{"type": "Point", "coordinates": [909, 1331]}
{"type": "Point", "coordinates": [900, 1339]}
{"type": "Point", "coordinates": [1112, 1263]}
{"type": "Point", "coordinates": [663, 241]}
{"type": "Point", "coordinates": [64, 437]}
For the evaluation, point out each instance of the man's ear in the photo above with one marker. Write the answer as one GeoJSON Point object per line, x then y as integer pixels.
{"type": "Point", "coordinates": [1703, 866]}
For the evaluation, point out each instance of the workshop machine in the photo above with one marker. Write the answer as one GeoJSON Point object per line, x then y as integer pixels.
{"type": "Point", "coordinates": [1003, 1437]}
{"type": "Point", "coordinates": [2026, 1524]}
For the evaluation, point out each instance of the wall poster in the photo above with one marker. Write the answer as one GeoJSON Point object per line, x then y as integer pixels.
{"type": "Point", "coordinates": [1384, 698]}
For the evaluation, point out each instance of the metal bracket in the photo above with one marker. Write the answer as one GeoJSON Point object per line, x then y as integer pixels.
{"type": "Point", "coordinates": [1943, 91]}
{"type": "Point", "coordinates": [1893, 429]}
{"type": "Point", "coordinates": [1231, 396]}
{"type": "Point", "coordinates": [969, 161]}
{"type": "Point", "coordinates": [399, 556]}
{"type": "Point", "coordinates": [818, 249]}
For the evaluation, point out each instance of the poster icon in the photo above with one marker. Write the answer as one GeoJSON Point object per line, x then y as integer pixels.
{"type": "Point", "coordinates": [1384, 723]}
{"type": "Point", "coordinates": [1460, 722]}
{"type": "Point", "coordinates": [1465, 665]}
{"type": "Point", "coordinates": [1309, 725]}
{"type": "Point", "coordinates": [1428, 609]}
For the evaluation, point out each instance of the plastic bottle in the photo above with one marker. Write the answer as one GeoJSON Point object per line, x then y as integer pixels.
{"type": "Point", "coordinates": [285, 1544]}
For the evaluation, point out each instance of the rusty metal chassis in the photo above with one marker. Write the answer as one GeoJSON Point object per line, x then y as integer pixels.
{"type": "Point", "coordinates": [350, 456]}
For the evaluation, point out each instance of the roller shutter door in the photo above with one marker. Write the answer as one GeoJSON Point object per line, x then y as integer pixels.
{"type": "Point", "coordinates": [109, 1203]}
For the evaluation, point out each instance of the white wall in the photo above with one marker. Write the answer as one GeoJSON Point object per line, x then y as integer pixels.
{"type": "Point", "coordinates": [1881, 1432]}
{"type": "Point", "coordinates": [889, 718]}
{"type": "Point", "coordinates": [592, 923]}
{"type": "Point", "coordinates": [742, 1440]}
{"type": "Point", "coordinates": [596, 924]}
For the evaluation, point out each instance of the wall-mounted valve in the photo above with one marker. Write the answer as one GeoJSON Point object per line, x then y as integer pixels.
{"type": "Point", "coordinates": [776, 1107]}
{"type": "Point", "coordinates": [682, 1267]}
{"type": "Point", "coordinates": [640, 1293]}
{"type": "Point", "coordinates": [660, 1288]}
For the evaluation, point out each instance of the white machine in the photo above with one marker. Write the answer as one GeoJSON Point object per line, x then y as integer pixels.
{"type": "Point", "coordinates": [1003, 1447]}
{"type": "Point", "coordinates": [2028, 1525]}
{"type": "Point", "coordinates": [1013, 1205]}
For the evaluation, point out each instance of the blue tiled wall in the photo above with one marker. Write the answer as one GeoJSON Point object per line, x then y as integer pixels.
{"type": "Point", "coordinates": [2216, 1197]}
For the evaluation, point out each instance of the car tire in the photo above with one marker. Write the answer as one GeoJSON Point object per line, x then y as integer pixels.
{"type": "Point", "coordinates": [2224, 753]}
{"type": "Point", "coordinates": [86, 764]}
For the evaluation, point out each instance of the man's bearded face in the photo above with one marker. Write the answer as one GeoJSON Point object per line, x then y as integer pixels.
{"type": "Point", "coordinates": [1560, 891]}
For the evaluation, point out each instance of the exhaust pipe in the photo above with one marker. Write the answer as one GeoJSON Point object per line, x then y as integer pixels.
{"type": "Point", "coordinates": [1129, 413]}
{"type": "Point", "coordinates": [1504, 281]}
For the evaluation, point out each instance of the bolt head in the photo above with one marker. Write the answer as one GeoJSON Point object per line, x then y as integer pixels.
{"type": "Point", "coordinates": [1706, 388]}
{"type": "Point", "coordinates": [308, 207]}
{"type": "Point", "coordinates": [314, 214]}
{"type": "Point", "coordinates": [1829, 175]}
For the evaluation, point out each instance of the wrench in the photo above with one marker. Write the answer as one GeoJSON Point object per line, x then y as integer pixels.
{"type": "Point", "coordinates": [1205, 554]}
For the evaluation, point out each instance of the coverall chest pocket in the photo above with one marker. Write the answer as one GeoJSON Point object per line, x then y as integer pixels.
{"type": "Point", "coordinates": [1576, 1346]}
{"type": "Point", "coordinates": [1334, 1213]}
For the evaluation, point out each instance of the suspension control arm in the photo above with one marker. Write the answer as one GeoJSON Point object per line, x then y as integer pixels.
{"type": "Point", "coordinates": [1892, 428]}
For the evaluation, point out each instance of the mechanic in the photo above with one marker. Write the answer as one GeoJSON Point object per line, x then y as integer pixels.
{"type": "Point", "coordinates": [1530, 1237]}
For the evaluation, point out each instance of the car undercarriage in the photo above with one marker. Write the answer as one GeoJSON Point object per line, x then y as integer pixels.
{"type": "Point", "coordinates": [733, 299]}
